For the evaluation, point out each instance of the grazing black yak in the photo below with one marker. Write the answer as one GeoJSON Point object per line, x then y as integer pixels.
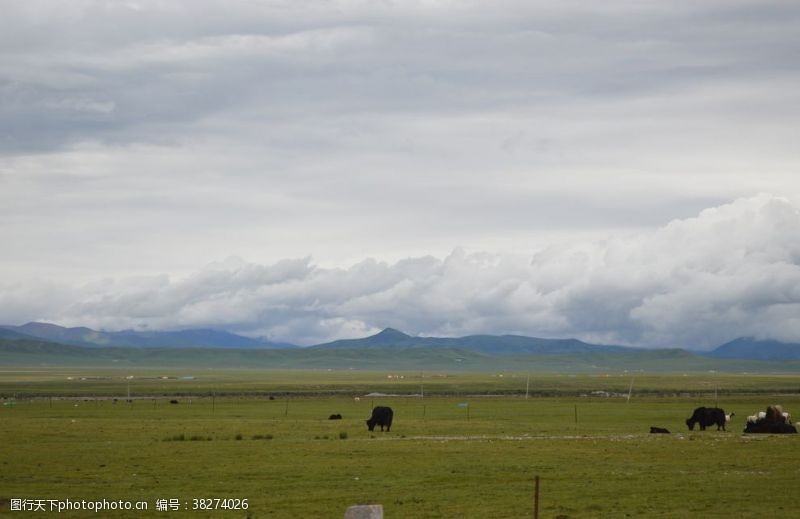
{"type": "Point", "coordinates": [658, 430]}
{"type": "Point", "coordinates": [381, 416]}
{"type": "Point", "coordinates": [336, 416]}
{"type": "Point", "coordinates": [706, 416]}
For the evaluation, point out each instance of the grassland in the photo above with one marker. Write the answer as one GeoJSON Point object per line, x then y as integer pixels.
{"type": "Point", "coordinates": [440, 460]}
{"type": "Point", "coordinates": [47, 355]}
{"type": "Point", "coordinates": [169, 381]}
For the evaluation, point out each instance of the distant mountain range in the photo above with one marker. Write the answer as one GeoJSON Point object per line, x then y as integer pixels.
{"type": "Point", "coordinates": [197, 338]}
{"type": "Point", "coordinates": [487, 344]}
{"type": "Point", "coordinates": [749, 348]}
{"type": "Point", "coordinates": [43, 343]}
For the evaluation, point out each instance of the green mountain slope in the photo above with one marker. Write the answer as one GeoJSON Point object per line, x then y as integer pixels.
{"type": "Point", "coordinates": [41, 353]}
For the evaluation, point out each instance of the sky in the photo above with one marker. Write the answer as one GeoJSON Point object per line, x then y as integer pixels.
{"type": "Point", "coordinates": [621, 172]}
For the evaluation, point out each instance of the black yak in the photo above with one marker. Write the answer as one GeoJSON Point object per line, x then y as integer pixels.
{"type": "Point", "coordinates": [658, 430]}
{"type": "Point", "coordinates": [381, 416]}
{"type": "Point", "coordinates": [764, 427]}
{"type": "Point", "coordinates": [775, 414]}
{"type": "Point", "coordinates": [774, 421]}
{"type": "Point", "coordinates": [706, 416]}
{"type": "Point", "coordinates": [336, 416]}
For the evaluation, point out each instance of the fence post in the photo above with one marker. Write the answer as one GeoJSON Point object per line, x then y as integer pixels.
{"type": "Point", "coordinates": [536, 497]}
{"type": "Point", "coordinates": [576, 417]}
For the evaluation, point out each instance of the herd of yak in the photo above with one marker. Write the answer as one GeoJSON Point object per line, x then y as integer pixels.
{"type": "Point", "coordinates": [772, 421]}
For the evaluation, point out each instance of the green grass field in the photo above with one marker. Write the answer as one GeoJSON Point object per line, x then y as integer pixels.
{"type": "Point", "coordinates": [227, 439]}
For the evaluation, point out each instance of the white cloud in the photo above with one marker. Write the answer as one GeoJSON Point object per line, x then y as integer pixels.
{"type": "Point", "coordinates": [734, 270]}
{"type": "Point", "coordinates": [149, 137]}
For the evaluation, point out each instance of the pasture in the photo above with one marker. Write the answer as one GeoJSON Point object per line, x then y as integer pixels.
{"type": "Point", "coordinates": [227, 439]}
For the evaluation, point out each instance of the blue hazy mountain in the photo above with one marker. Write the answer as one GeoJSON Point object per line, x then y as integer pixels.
{"type": "Point", "coordinates": [388, 339]}
{"type": "Point", "coordinates": [754, 349]}
{"type": "Point", "coordinates": [12, 335]}
{"type": "Point", "coordinates": [196, 338]}
{"type": "Point", "coordinates": [487, 344]}
{"type": "Point", "coordinates": [390, 349]}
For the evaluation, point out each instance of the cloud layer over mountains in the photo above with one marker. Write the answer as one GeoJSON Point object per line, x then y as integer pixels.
{"type": "Point", "coordinates": [144, 136]}
{"type": "Point", "coordinates": [141, 140]}
{"type": "Point", "coordinates": [734, 270]}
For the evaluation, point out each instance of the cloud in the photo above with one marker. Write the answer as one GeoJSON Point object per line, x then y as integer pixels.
{"type": "Point", "coordinates": [349, 129]}
{"type": "Point", "coordinates": [733, 270]}
{"type": "Point", "coordinates": [142, 140]}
